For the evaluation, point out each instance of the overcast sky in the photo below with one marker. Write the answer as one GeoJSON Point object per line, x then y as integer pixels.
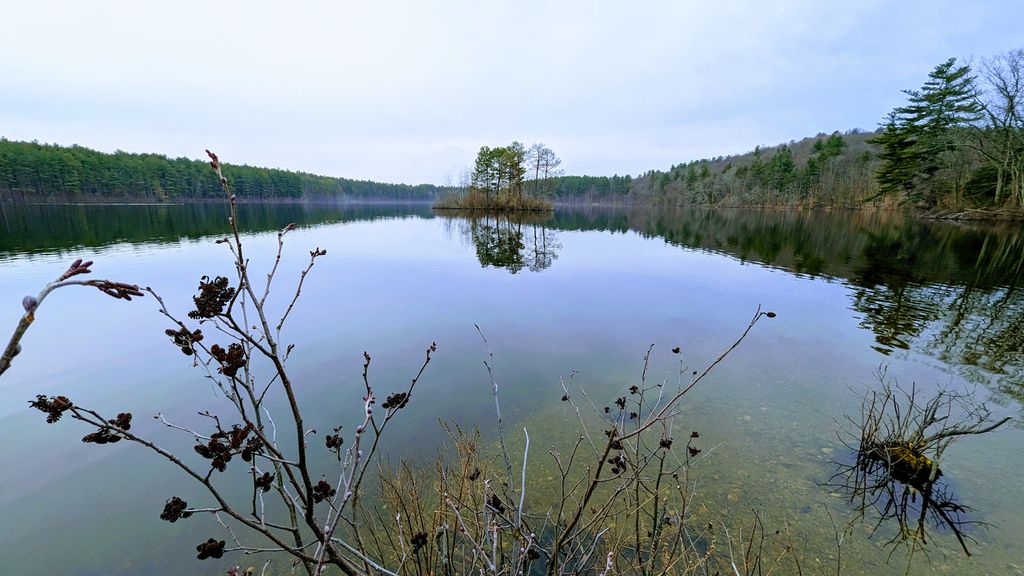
{"type": "Point", "coordinates": [409, 91]}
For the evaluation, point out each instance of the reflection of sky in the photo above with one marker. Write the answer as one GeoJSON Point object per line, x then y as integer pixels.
{"type": "Point", "coordinates": [393, 286]}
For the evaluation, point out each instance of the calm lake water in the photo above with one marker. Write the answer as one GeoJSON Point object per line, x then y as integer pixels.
{"type": "Point", "coordinates": [936, 304]}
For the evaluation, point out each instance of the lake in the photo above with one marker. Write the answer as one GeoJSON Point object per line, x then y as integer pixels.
{"type": "Point", "coordinates": [585, 292]}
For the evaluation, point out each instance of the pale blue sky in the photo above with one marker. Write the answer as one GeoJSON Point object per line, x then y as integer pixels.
{"type": "Point", "coordinates": [408, 91]}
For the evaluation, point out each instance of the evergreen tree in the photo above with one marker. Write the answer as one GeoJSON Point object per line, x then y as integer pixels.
{"type": "Point", "coordinates": [923, 155]}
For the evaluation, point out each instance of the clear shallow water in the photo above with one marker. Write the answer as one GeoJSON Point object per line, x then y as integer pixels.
{"type": "Point", "coordinates": [587, 290]}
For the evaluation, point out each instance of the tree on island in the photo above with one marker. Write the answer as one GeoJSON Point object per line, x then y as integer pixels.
{"type": "Point", "coordinates": [498, 179]}
{"type": "Point", "coordinates": [500, 170]}
{"type": "Point", "coordinates": [545, 166]}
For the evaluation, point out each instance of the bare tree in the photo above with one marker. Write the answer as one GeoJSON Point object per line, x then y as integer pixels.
{"type": "Point", "coordinates": [1000, 141]}
{"type": "Point", "coordinates": [544, 165]}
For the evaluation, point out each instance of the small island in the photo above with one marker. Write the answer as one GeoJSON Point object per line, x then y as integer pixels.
{"type": "Point", "coordinates": [507, 178]}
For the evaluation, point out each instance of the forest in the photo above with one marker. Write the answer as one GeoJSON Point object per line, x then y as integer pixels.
{"type": "Point", "coordinates": [31, 171]}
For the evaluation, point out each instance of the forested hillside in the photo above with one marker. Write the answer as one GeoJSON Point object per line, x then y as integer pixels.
{"type": "Point", "coordinates": [45, 172]}
{"type": "Point", "coordinates": [837, 169]}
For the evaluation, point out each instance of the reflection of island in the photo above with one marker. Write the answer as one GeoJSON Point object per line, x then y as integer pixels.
{"type": "Point", "coordinates": [509, 240]}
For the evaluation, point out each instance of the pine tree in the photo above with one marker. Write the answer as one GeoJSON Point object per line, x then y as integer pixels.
{"type": "Point", "coordinates": [922, 156]}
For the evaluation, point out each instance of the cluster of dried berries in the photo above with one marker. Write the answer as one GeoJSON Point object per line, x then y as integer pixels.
{"type": "Point", "coordinates": [334, 441]}
{"type": "Point", "coordinates": [263, 482]}
{"type": "Point", "coordinates": [123, 421]}
{"type": "Point", "coordinates": [184, 339]}
{"type": "Point", "coordinates": [53, 407]}
{"type": "Point", "coordinates": [474, 475]}
{"type": "Point", "coordinates": [634, 389]}
{"type": "Point", "coordinates": [213, 296]}
{"type": "Point", "coordinates": [665, 443]}
{"type": "Point", "coordinates": [102, 436]}
{"type": "Point", "coordinates": [174, 510]}
{"type": "Point", "coordinates": [689, 448]}
{"type": "Point", "coordinates": [418, 541]}
{"type": "Point", "coordinates": [633, 415]}
{"type": "Point", "coordinates": [322, 491]}
{"type": "Point", "coordinates": [252, 447]}
{"type": "Point", "coordinates": [210, 549]}
{"type": "Point", "coordinates": [223, 445]}
{"type": "Point", "coordinates": [496, 503]}
{"type": "Point", "coordinates": [621, 402]}
{"type": "Point", "coordinates": [618, 463]}
{"type": "Point", "coordinates": [565, 397]}
{"type": "Point", "coordinates": [109, 435]}
{"type": "Point", "coordinates": [231, 360]}
{"type": "Point", "coordinates": [611, 434]}
{"type": "Point", "coordinates": [675, 350]}
{"type": "Point", "coordinates": [396, 401]}
{"type": "Point", "coordinates": [216, 451]}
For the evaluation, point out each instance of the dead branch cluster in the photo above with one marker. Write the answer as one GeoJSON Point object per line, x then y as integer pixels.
{"type": "Point", "coordinates": [895, 476]}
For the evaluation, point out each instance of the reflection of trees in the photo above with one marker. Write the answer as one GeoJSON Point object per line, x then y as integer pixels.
{"type": "Point", "coordinates": [510, 240]}
{"type": "Point", "coordinates": [41, 227]}
{"type": "Point", "coordinates": [498, 243]}
{"type": "Point", "coordinates": [951, 291]}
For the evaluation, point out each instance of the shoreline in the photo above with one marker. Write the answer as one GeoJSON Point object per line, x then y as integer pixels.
{"type": "Point", "coordinates": [977, 215]}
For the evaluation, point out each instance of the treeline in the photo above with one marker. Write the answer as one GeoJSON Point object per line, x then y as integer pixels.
{"type": "Point", "coordinates": [958, 142]}
{"type": "Point", "coordinates": [833, 170]}
{"type": "Point", "coordinates": [46, 172]}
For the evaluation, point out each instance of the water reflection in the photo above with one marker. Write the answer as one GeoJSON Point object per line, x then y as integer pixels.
{"type": "Point", "coordinates": [35, 228]}
{"type": "Point", "coordinates": [949, 291]}
{"type": "Point", "coordinates": [513, 241]}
